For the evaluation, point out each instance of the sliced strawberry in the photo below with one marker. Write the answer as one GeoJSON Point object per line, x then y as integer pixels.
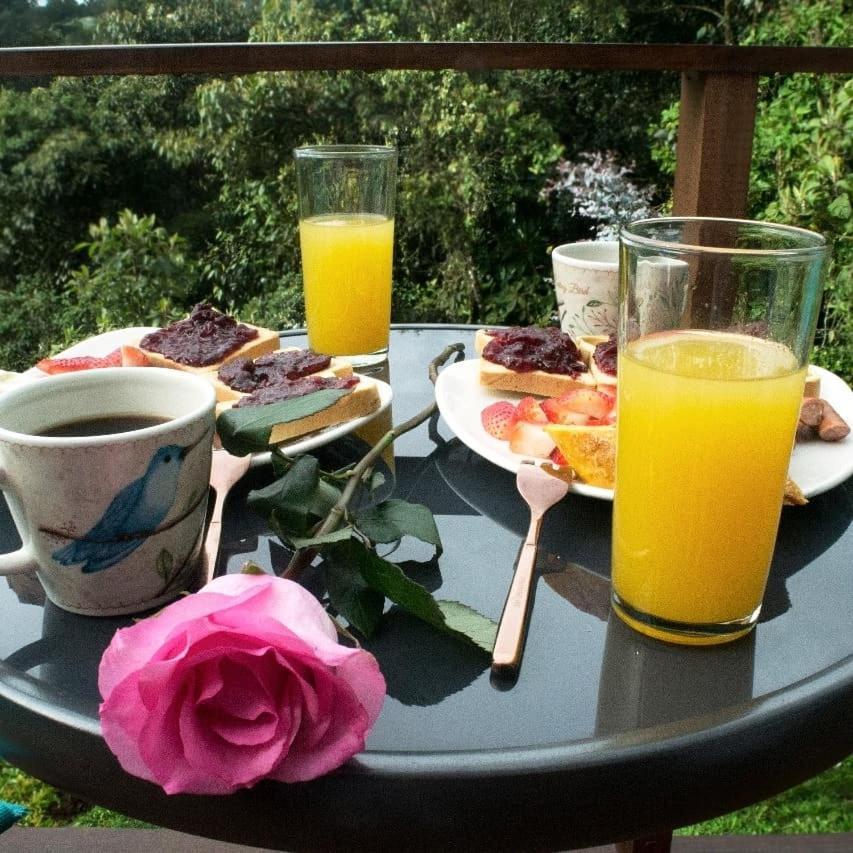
{"type": "Point", "coordinates": [557, 458]}
{"type": "Point", "coordinates": [529, 409]}
{"type": "Point", "coordinates": [587, 401]}
{"type": "Point", "coordinates": [498, 419]}
{"type": "Point", "coordinates": [558, 412]}
{"type": "Point", "coordinates": [608, 391]}
{"type": "Point", "coordinates": [79, 362]}
{"type": "Point", "coordinates": [610, 417]}
{"type": "Point", "coordinates": [132, 356]}
{"type": "Point", "coordinates": [530, 440]}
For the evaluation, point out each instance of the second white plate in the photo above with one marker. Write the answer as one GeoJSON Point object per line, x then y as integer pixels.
{"type": "Point", "coordinates": [816, 466]}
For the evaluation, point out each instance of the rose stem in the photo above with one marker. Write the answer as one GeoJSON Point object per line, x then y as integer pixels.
{"type": "Point", "coordinates": [302, 558]}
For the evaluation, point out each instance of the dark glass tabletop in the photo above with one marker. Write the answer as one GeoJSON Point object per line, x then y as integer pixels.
{"type": "Point", "coordinates": [605, 735]}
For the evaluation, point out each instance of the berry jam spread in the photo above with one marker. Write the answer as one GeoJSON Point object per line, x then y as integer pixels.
{"type": "Point", "coordinates": [534, 348]}
{"type": "Point", "coordinates": [604, 356]}
{"type": "Point", "coordinates": [246, 375]}
{"type": "Point", "coordinates": [288, 389]}
{"type": "Point", "coordinates": [205, 337]}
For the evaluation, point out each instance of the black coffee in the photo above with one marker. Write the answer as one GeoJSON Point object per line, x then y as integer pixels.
{"type": "Point", "coordinates": [104, 425]}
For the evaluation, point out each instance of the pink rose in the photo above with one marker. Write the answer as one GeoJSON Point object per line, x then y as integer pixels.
{"type": "Point", "coordinates": [242, 681]}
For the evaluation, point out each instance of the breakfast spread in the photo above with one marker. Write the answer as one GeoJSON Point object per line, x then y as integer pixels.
{"type": "Point", "coordinates": [290, 373]}
{"type": "Point", "coordinates": [205, 340]}
{"type": "Point", "coordinates": [576, 428]}
{"type": "Point", "coordinates": [246, 375]}
{"type": "Point", "coordinates": [603, 360]}
{"type": "Point", "coordinates": [242, 363]}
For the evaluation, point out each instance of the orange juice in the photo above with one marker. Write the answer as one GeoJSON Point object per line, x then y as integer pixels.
{"type": "Point", "coordinates": [705, 429]}
{"type": "Point", "coordinates": [346, 266]}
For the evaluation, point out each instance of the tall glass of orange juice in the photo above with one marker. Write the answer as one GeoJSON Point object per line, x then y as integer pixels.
{"type": "Point", "coordinates": [346, 233]}
{"type": "Point", "coordinates": [717, 319]}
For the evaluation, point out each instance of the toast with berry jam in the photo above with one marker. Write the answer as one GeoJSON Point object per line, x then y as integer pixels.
{"type": "Point", "coordinates": [544, 362]}
{"type": "Point", "coordinates": [362, 399]}
{"type": "Point", "coordinates": [242, 376]}
{"type": "Point", "coordinates": [205, 340]}
{"type": "Point", "coordinates": [599, 354]}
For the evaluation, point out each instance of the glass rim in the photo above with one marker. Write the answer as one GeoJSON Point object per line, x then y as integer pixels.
{"type": "Point", "coordinates": [819, 245]}
{"type": "Point", "coordinates": [328, 152]}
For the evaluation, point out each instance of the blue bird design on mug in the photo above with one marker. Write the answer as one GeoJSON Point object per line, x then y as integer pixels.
{"type": "Point", "coordinates": [136, 510]}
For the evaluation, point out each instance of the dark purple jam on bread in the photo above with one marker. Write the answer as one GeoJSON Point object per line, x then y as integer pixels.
{"type": "Point", "coordinates": [524, 349]}
{"type": "Point", "coordinates": [246, 376]}
{"type": "Point", "coordinates": [205, 337]}
{"type": "Point", "coordinates": [605, 357]}
{"type": "Point", "coordinates": [289, 389]}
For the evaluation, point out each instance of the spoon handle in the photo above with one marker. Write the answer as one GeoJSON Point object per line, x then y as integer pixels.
{"type": "Point", "coordinates": [512, 629]}
{"type": "Point", "coordinates": [211, 540]}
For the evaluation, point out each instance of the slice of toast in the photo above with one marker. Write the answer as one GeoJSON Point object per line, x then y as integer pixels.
{"type": "Point", "coordinates": [537, 382]}
{"type": "Point", "coordinates": [337, 367]}
{"type": "Point", "coordinates": [265, 341]}
{"type": "Point", "coordinates": [587, 345]}
{"type": "Point", "coordinates": [362, 400]}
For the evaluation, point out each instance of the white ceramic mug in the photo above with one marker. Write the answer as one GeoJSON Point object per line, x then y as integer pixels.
{"type": "Point", "coordinates": [586, 282]}
{"type": "Point", "coordinates": [111, 523]}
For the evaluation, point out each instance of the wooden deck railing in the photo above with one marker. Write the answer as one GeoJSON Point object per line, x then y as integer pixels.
{"type": "Point", "coordinates": [719, 84]}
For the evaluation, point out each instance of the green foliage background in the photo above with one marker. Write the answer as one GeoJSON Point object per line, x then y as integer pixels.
{"type": "Point", "coordinates": [124, 200]}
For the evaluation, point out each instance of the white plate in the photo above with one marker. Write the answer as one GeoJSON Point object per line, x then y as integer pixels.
{"type": "Point", "coordinates": [99, 345]}
{"type": "Point", "coordinates": [816, 466]}
{"type": "Point", "coordinates": [105, 343]}
{"type": "Point", "coordinates": [461, 398]}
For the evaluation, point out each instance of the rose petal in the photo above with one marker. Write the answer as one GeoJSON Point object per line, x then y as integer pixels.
{"type": "Point", "coordinates": [344, 737]}
{"type": "Point", "coordinates": [241, 681]}
{"type": "Point", "coordinates": [287, 601]}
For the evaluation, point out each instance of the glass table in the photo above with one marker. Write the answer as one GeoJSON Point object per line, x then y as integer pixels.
{"type": "Point", "coordinates": [606, 735]}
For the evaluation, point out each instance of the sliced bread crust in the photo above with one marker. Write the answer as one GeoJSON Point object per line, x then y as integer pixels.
{"type": "Point", "coordinates": [536, 382]}
{"type": "Point", "coordinates": [362, 400]}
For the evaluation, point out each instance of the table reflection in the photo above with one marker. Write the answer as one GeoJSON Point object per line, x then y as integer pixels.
{"type": "Point", "coordinates": [646, 682]}
{"type": "Point", "coordinates": [65, 659]}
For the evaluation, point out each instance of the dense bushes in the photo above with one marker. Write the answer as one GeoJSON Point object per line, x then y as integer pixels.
{"type": "Point", "coordinates": [196, 174]}
{"type": "Point", "coordinates": [802, 157]}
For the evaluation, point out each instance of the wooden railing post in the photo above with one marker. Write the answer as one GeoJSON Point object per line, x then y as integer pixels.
{"type": "Point", "coordinates": [714, 147]}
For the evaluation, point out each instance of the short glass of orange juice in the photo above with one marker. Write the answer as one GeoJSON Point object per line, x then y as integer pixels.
{"type": "Point", "coordinates": [346, 232]}
{"type": "Point", "coordinates": [716, 321]}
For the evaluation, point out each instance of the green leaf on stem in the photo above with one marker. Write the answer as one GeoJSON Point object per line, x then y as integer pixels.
{"type": "Point", "coordinates": [247, 430]}
{"type": "Point", "coordinates": [389, 580]}
{"type": "Point", "coordinates": [338, 535]}
{"type": "Point", "coordinates": [293, 503]}
{"type": "Point", "coordinates": [465, 620]}
{"type": "Point", "coordinates": [349, 593]}
{"type": "Point", "coordinates": [395, 518]}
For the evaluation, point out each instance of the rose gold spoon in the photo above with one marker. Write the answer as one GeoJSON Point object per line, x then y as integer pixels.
{"type": "Point", "coordinates": [225, 471]}
{"type": "Point", "coordinates": [540, 491]}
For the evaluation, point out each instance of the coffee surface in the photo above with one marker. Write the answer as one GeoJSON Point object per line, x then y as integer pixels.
{"type": "Point", "coordinates": [103, 425]}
